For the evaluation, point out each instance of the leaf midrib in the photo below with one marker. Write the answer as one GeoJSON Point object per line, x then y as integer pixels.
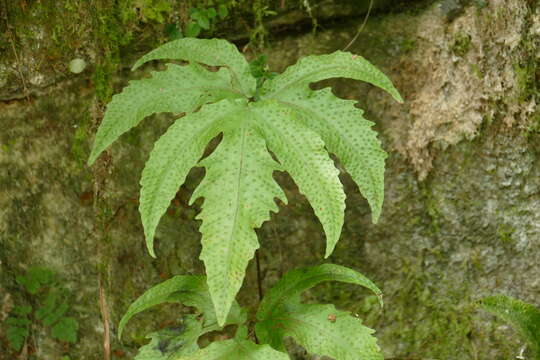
{"type": "Point", "coordinates": [238, 195]}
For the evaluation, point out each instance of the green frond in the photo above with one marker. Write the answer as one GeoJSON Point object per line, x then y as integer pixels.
{"type": "Point", "coordinates": [213, 52]}
{"type": "Point", "coordinates": [297, 125]}
{"type": "Point", "coordinates": [239, 193]}
{"type": "Point", "coordinates": [189, 290]}
{"type": "Point", "coordinates": [320, 67]}
{"type": "Point", "coordinates": [302, 154]}
{"type": "Point", "coordinates": [321, 330]}
{"type": "Point", "coordinates": [293, 283]}
{"type": "Point", "coordinates": [238, 348]}
{"type": "Point", "coordinates": [346, 134]}
{"type": "Point", "coordinates": [176, 90]}
{"type": "Point", "coordinates": [174, 154]}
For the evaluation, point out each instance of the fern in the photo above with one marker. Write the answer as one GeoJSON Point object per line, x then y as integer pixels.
{"type": "Point", "coordinates": [18, 326]}
{"type": "Point", "coordinates": [282, 114]}
{"type": "Point", "coordinates": [189, 290]}
{"type": "Point", "coordinates": [320, 329]}
{"type": "Point", "coordinates": [239, 348]}
{"type": "Point", "coordinates": [51, 305]}
{"type": "Point", "coordinates": [522, 316]}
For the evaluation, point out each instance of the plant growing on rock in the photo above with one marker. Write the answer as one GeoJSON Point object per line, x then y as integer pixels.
{"type": "Point", "coordinates": [47, 308]}
{"type": "Point", "coordinates": [522, 316]}
{"type": "Point", "coordinates": [272, 124]}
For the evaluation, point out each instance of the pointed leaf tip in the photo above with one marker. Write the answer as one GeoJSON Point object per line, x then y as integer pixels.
{"type": "Point", "coordinates": [151, 250]}
{"type": "Point", "coordinates": [375, 216]}
{"type": "Point", "coordinates": [320, 67]}
{"type": "Point", "coordinates": [90, 161]}
{"type": "Point", "coordinates": [239, 174]}
{"type": "Point", "coordinates": [329, 249]}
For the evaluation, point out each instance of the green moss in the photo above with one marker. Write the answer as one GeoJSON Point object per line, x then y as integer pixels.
{"type": "Point", "coordinates": [435, 319]}
{"type": "Point", "coordinates": [7, 146]}
{"type": "Point", "coordinates": [102, 80]}
{"type": "Point", "coordinates": [462, 44]}
{"type": "Point", "coordinates": [526, 77]}
{"type": "Point", "coordinates": [534, 127]}
{"type": "Point", "coordinates": [79, 146]}
{"type": "Point", "coordinates": [475, 69]}
{"type": "Point", "coordinates": [480, 4]}
{"type": "Point", "coordinates": [408, 45]}
{"type": "Point", "coordinates": [505, 232]}
{"type": "Point", "coordinates": [431, 205]}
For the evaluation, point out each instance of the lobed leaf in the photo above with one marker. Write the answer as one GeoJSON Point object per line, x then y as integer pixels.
{"type": "Point", "coordinates": [35, 278]}
{"type": "Point", "coordinates": [22, 310]}
{"type": "Point", "coordinates": [239, 193]}
{"type": "Point", "coordinates": [235, 349]}
{"type": "Point", "coordinates": [302, 154]}
{"type": "Point", "coordinates": [524, 317]}
{"type": "Point", "coordinates": [295, 124]}
{"type": "Point", "coordinates": [319, 67]}
{"type": "Point", "coordinates": [189, 290]}
{"type": "Point", "coordinates": [17, 330]}
{"type": "Point", "coordinates": [347, 135]}
{"type": "Point", "coordinates": [55, 315]}
{"type": "Point", "coordinates": [213, 52]}
{"type": "Point", "coordinates": [296, 281]}
{"type": "Point", "coordinates": [174, 154]}
{"type": "Point", "coordinates": [177, 89]}
{"type": "Point", "coordinates": [321, 330]}
{"type": "Point", "coordinates": [66, 329]}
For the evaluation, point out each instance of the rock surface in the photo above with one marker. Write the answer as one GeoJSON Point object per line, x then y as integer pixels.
{"type": "Point", "coordinates": [461, 218]}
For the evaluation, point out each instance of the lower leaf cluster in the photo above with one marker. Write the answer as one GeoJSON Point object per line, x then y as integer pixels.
{"type": "Point", "coordinates": [320, 329]}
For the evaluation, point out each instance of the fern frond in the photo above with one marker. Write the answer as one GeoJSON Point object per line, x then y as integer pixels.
{"type": "Point", "coordinates": [346, 134]}
{"type": "Point", "coordinates": [321, 330]}
{"type": "Point", "coordinates": [177, 89]}
{"type": "Point", "coordinates": [302, 154]}
{"type": "Point", "coordinates": [295, 123]}
{"type": "Point", "coordinates": [174, 154]}
{"type": "Point", "coordinates": [189, 290]}
{"type": "Point", "coordinates": [320, 67]}
{"type": "Point", "coordinates": [239, 192]}
{"type": "Point", "coordinates": [213, 52]}
{"type": "Point", "coordinates": [292, 284]}
{"type": "Point", "coordinates": [238, 348]}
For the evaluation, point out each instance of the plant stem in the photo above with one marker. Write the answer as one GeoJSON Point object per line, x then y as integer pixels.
{"type": "Point", "coordinates": [259, 280]}
{"type": "Point", "coordinates": [259, 286]}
